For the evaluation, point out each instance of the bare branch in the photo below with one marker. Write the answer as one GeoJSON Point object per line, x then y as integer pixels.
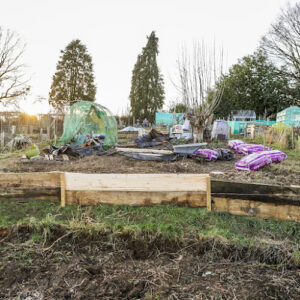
{"type": "Point", "coordinates": [197, 79]}
{"type": "Point", "coordinates": [282, 42]}
{"type": "Point", "coordinates": [13, 83]}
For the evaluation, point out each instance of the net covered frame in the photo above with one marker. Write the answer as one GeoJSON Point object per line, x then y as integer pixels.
{"type": "Point", "coordinates": [91, 118]}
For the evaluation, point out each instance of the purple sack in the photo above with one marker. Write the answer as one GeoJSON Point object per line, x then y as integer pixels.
{"type": "Point", "coordinates": [250, 148]}
{"type": "Point", "coordinates": [275, 155]}
{"type": "Point", "coordinates": [253, 162]}
{"type": "Point", "coordinates": [258, 160]}
{"type": "Point", "coordinates": [234, 143]}
{"type": "Point", "coordinates": [210, 155]}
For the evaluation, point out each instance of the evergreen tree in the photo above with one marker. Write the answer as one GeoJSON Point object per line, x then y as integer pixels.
{"type": "Point", "coordinates": [255, 83]}
{"type": "Point", "coordinates": [74, 78]}
{"type": "Point", "coordinates": [147, 85]}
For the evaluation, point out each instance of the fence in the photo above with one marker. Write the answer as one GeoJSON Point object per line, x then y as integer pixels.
{"type": "Point", "coordinates": [45, 126]}
{"type": "Point", "coordinates": [259, 200]}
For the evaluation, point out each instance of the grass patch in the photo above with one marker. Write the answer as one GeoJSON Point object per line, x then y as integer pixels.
{"type": "Point", "coordinates": [168, 222]}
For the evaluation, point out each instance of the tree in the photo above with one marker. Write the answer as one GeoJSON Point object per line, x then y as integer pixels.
{"type": "Point", "coordinates": [254, 83]}
{"type": "Point", "coordinates": [74, 77]}
{"type": "Point", "coordinates": [282, 42]}
{"type": "Point", "coordinates": [197, 78]}
{"type": "Point", "coordinates": [147, 85]}
{"type": "Point", "coordinates": [178, 108]}
{"type": "Point", "coordinates": [13, 83]}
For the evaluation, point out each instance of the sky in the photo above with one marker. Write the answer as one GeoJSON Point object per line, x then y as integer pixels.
{"type": "Point", "coordinates": [115, 31]}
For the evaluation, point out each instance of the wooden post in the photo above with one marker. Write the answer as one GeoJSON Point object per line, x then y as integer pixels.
{"type": "Point", "coordinates": [208, 188]}
{"type": "Point", "coordinates": [48, 132]}
{"type": "Point", "coordinates": [2, 140]}
{"type": "Point", "coordinates": [62, 190]}
{"type": "Point", "coordinates": [293, 138]}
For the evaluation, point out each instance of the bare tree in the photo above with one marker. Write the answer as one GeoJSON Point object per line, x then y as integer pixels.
{"type": "Point", "coordinates": [13, 83]}
{"type": "Point", "coordinates": [282, 41]}
{"type": "Point", "coordinates": [198, 76]}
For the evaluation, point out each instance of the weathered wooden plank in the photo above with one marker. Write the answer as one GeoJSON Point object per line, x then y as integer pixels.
{"type": "Point", "coordinates": [38, 179]}
{"type": "Point", "coordinates": [285, 195]}
{"type": "Point", "coordinates": [136, 182]}
{"type": "Point", "coordinates": [42, 193]}
{"type": "Point", "coordinates": [256, 209]}
{"type": "Point", "coordinates": [136, 198]}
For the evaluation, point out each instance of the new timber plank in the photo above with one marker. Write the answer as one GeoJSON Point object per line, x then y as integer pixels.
{"type": "Point", "coordinates": [136, 189]}
{"type": "Point", "coordinates": [136, 198]}
{"type": "Point", "coordinates": [136, 182]}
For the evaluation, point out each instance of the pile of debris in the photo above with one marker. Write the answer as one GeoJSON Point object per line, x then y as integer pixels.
{"type": "Point", "coordinates": [19, 142]}
{"type": "Point", "coordinates": [160, 148]}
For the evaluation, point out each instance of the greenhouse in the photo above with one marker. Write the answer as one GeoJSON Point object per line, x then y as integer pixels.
{"type": "Point", "coordinates": [290, 116]}
{"type": "Point", "coordinates": [89, 118]}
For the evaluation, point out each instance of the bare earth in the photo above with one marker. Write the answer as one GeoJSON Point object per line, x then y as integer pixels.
{"type": "Point", "coordinates": [285, 173]}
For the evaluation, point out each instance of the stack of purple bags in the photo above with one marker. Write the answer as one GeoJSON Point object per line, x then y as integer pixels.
{"type": "Point", "coordinates": [256, 161]}
{"type": "Point", "coordinates": [234, 143]}
{"type": "Point", "coordinates": [210, 155]}
{"type": "Point", "coordinates": [250, 148]}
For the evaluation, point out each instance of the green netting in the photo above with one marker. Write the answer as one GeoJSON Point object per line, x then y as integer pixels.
{"type": "Point", "coordinates": [290, 116]}
{"type": "Point", "coordinates": [86, 117]}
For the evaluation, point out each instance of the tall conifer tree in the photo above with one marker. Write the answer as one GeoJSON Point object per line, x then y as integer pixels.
{"type": "Point", "coordinates": [74, 78]}
{"type": "Point", "coordinates": [147, 85]}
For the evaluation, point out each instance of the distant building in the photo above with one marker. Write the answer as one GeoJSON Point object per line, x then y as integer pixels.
{"type": "Point", "coordinates": [244, 115]}
{"type": "Point", "coordinates": [290, 116]}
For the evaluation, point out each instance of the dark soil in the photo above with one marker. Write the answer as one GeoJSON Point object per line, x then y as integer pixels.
{"type": "Point", "coordinates": [72, 266]}
{"type": "Point", "coordinates": [285, 173]}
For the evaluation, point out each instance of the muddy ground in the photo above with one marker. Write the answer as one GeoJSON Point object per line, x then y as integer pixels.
{"type": "Point", "coordinates": [74, 267]}
{"type": "Point", "coordinates": [285, 173]}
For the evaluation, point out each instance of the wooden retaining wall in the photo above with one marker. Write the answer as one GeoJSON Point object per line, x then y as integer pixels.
{"type": "Point", "coordinates": [194, 190]}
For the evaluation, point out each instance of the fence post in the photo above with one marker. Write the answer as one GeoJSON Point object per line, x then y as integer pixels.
{"type": "Point", "coordinates": [293, 138]}
{"type": "Point", "coordinates": [62, 190]}
{"type": "Point", "coordinates": [208, 188]}
{"type": "Point", "coordinates": [2, 139]}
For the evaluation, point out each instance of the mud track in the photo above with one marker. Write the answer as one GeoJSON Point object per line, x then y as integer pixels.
{"type": "Point", "coordinates": [72, 265]}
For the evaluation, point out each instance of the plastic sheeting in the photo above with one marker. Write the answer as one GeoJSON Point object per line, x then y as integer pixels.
{"type": "Point", "coordinates": [220, 129]}
{"type": "Point", "coordinates": [86, 117]}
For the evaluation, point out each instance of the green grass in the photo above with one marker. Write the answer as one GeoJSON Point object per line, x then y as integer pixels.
{"type": "Point", "coordinates": [169, 222]}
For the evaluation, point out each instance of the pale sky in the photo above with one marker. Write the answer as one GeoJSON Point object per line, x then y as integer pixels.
{"type": "Point", "coordinates": [115, 31]}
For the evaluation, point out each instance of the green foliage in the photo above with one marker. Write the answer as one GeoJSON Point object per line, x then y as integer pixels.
{"type": "Point", "coordinates": [254, 83]}
{"type": "Point", "coordinates": [74, 78]}
{"type": "Point", "coordinates": [278, 128]}
{"type": "Point", "coordinates": [32, 151]}
{"type": "Point", "coordinates": [179, 108]}
{"type": "Point", "coordinates": [147, 85]}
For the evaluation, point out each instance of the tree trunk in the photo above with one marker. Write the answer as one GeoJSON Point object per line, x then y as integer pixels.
{"type": "Point", "coordinates": [198, 134]}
